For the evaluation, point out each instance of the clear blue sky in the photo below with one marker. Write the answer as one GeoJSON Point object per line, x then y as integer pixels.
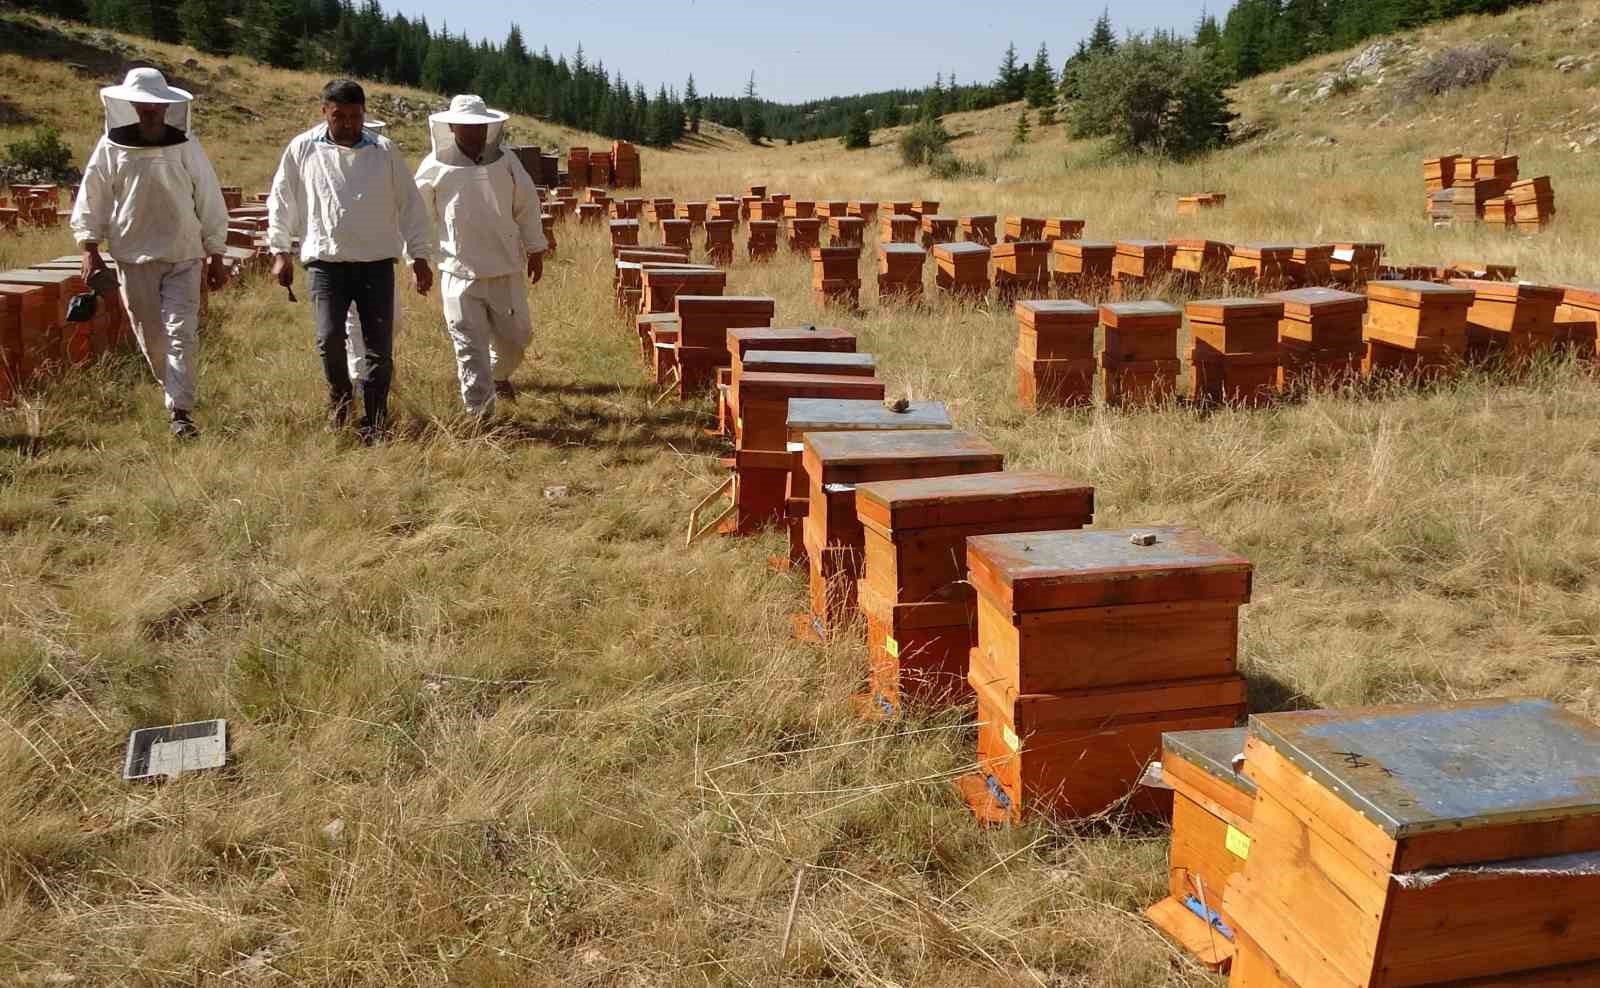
{"type": "Point", "coordinates": [800, 50]}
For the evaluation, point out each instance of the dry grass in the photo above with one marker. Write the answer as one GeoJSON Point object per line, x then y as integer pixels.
{"type": "Point", "coordinates": [563, 750]}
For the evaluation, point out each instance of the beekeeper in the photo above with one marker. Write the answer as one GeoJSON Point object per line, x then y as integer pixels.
{"type": "Point", "coordinates": [347, 194]}
{"type": "Point", "coordinates": [151, 197]}
{"type": "Point", "coordinates": [486, 209]}
{"type": "Point", "coordinates": [355, 347]}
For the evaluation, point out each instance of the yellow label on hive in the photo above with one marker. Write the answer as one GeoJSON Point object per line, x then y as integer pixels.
{"type": "Point", "coordinates": [891, 646]}
{"type": "Point", "coordinates": [1238, 842]}
{"type": "Point", "coordinates": [1010, 738]}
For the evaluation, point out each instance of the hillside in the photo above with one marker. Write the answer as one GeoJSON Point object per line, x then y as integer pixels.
{"type": "Point", "coordinates": [495, 725]}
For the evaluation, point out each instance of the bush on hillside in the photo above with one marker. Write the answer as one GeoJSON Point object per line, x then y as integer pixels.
{"type": "Point", "coordinates": [923, 142]}
{"type": "Point", "coordinates": [44, 153]}
{"type": "Point", "coordinates": [1458, 68]}
{"type": "Point", "coordinates": [947, 166]}
{"type": "Point", "coordinates": [1153, 96]}
{"type": "Point", "coordinates": [859, 133]}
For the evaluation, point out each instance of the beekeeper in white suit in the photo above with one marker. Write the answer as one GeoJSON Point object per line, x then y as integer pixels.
{"type": "Point", "coordinates": [150, 195]}
{"type": "Point", "coordinates": [485, 210]}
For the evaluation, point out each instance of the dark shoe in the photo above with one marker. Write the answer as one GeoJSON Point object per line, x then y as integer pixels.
{"type": "Point", "coordinates": [370, 435]}
{"type": "Point", "coordinates": [183, 426]}
{"type": "Point", "coordinates": [505, 391]}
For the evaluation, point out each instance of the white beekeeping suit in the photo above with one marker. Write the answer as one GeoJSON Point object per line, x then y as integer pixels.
{"type": "Point", "coordinates": [355, 349]}
{"type": "Point", "coordinates": [150, 195]}
{"type": "Point", "coordinates": [486, 213]}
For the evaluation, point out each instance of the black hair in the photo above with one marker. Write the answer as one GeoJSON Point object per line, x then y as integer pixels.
{"type": "Point", "coordinates": [344, 92]}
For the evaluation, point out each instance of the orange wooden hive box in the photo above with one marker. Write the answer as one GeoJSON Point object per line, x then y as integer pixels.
{"type": "Point", "coordinates": [1319, 336]}
{"type": "Point", "coordinates": [1311, 264]}
{"type": "Point", "coordinates": [1021, 269]}
{"type": "Point", "coordinates": [1055, 353]}
{"type": "Point", "coordinates": [1446, 844]}
{"type": "Point", "coordinates": [1204, 258]}
{"type": "Point", "coordinates": [963, 269]}
{"type": "Point", "coordinates": [1416, 327]}
{"type": "Point", "coordinates": [804, 234]}
{"type": "Point", "coordinates": [868, 211]}
{"type": "Point", "coordinates": [1091, 644]}
{"type": "Point", "coordinates": [799, 209]}
{"type": "Point", "coordinates": [741, 340]}
{"type": "Point", "coordinates": [703, 324]}
{"type": "Point", "coordinates": [833, 207]}
{"type": "Point", "coordinates": [831, 363]}
{"type": "Point", "coordinates": [978, 229]}
{"type": "Point", "coordinates": [677, 233]}
{"type": "Point", "coordinates": [835, 463]}
{"type": "Point", "coordinates": [1082, 267]}
{"type": "Point", "coordinates": [1140, 262]}
{"type": "Point", "coordinates": [695, 212]}
{"type": "Point", "coordinates": [30, 313]}
{"type": "Point", "coordinates": [1578, 320]}
{"type": "Point", "coordinates": [762, 242]}
{"type": "Point", "coordinates": [1139, 359]}
{"type": "Point", "coordinates": [1233, 357]}
{"type": "Point", "coordinates": [719, 241]}
{"type": "Point", "coordinates": [1355, 262]}
{"type": "Point", "coordinates": [918, 605]}
{"type": "Point", "coordinates": [898, 228]}
{"type": "Point", "coordinates": [900, 270]}
{"type": "Point", "coordinates": [646, 323]}
{"type": "Point", "coordinates": [1060, 228]}
{"type": "Point", "coordinates": [1508, 319]}
{"type": "Point", "coordinates": [1211, 805]}
{"type": "Point", "coordinates": [897, 207]}
{"type": "Point", "coordinates": [622, 231]}
{"type": "Point", "coordinates": [662, 284]}
{"type": "Point", "coordinates": [938, 229]}
{"type": "Point", "coordinates": [1024, 228]}
{"type": "Point", "coordinates": [846, 231]}
{"type": "Point", "coordinates": [924, 207]}
{"type": "Point", "coordinates": [1265, 266]}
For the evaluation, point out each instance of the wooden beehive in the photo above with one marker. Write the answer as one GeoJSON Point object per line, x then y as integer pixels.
{"type": "Point", "coordinates": [898, 228]}
{"type": "Point", "coordinates": [767, 210]}
{"type": "Point", "coordinates": [924, 207]}
{"type": "Point", "coordinates": [898, 207]}
{"type": "Point", "coordinates": [1234, 353]}
{"type": "Point", "coordinates": [804, 234]}
{"type": "Point", "coordinates": [677, 233]}
{"type": "Point", "coordinates": [1447, 844]}
{"type": "Point", "coordinates": [1202, 258]}
{"type": "Point", "coordinates": [1319, 336]}
{"type": "Point", "coordinates": [1532, 202]}
{"type": "Point", "coordinates": [662, 284]}
{"type": "Point", "coordinates": [762, 243]}
{"type": "Point", "coordinates": [1415, 327]}
{"type": "Point", "coordinates": [742, 339]}
{"type": "Point", "coordinates": [835, 463]}
{"type": "Point", "coordinates": [799, 209]}
{"type": "Point", "coordinates": [695, 212]}
{"type": "Point", "coordinates": [1140, 263]}
{"type": "Point", "coordinates": [1091, 644]}
{"type": "Point", "coordinates": [578, 167]}
{"type": "Point", "coordinates": [1139, 359]}
{"type": "Point", "coordinates": [868, 211]}
{"type": "Point", "coordinates": [1082, 268]}
{"type": "Point", "coordinates": [31, 314]}
{"type": "Point", "coordinates": [1024, 228]}
{"type": "Point", "coordinates": [833, 207]}
{"type": "Point", "coordinates": [625, 232]}
{"type": "Point", "coordinates": [1021, 269]}
{"type": "Point", "coordinates": [1501, 167]}
{"type": "Point", "coordinates": [1578, 320]}
{"type": "Point", "coordinates": [978, 229]}
{"type": "Point", "coordinates": [1439, 173]}
{"type": "Point", "coordinates": [1264, 266]}
{"type": "Point", "coordinates": [962, 269]}
{"type": "Point", "coordinates": [846, 231]}
{"type": "Point", "coordinates": [1355, 262]}
{"type": "Point", "coordinates": [1211, 805]}
{"type": "Point", "coordinates": [719, 241]}
{"type": "Point", "coordinates": [1194, 205]}
{"type": "Point", "coordinates": [646, 323]}
{"type": "Point", "coordinates": [704, 321]}
{"type": "Point", "coordinates": [835, 262]}
{"type": "Point", "coordinates": [835, 362]}
{"type": "Point", "coordinates": [1509, 320]}
{"type": "Point", "coordinates": [900, 270]}
{"type": "Point", "coordinates": [1060, 228]}
{"type": "Point", "coordinates": [756, 191]}
{"type": "Point", "coordinates": [938, 229]}
{"type": "Point", "coordinates": [1311, 264]}
{"type": "Point", "coordinates": [1055, 353]}
{"type": "Point", "coordinates": [914, 594]}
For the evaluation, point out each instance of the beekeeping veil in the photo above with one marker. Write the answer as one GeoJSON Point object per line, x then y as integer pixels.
{"type": "Point", "coordinates": [145, 85]}
{"type": "Point", "coordinates": [466, 110]}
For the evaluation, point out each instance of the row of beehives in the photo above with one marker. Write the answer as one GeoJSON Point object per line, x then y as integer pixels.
{"type": "Point", "coordinates": [1089, 653]}
{"type": "Point", "coordinates": [32, 206]}
{"type": "Point", "coordinates": [1486, 188]}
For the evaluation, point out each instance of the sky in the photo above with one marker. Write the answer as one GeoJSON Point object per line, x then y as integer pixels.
{"type": "Point", "coordinates": [801, 50]}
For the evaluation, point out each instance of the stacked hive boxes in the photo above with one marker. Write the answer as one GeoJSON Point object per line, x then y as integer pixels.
{"type": "Point", "coordinates": [30, 335]}
{"type": "Point", "coordinates": [799, 209]}
{"type": "Point", "coordinates": [1091, 644]}
{"type": "Point", "coordinates": [1234, 352]}
{"type": "Point", "coordinates": [963, 269]}
{"type": "Point", "coordinates": [1355, 262]}
{"type": "Point", "coordinates": [600, 168]}
{"type": "Point", "coordinates": [577, 167]}
{"type": "Point", "coordinates": [1021, 269]}
{"type": "Point", "coordinates": [1509, 320]}
{"type": "Point", "coordinates": [1201, 260]}
{"type": "Point", "coordinates": [1415, 327]}
{"type": "Point", "coordinates": [835, 464]}
{"type": "Point", "coordinates": [1140, 264]}
{"type": "Point", "coordinates": [657, 210]}
{"type": "Point", "coordinates": [846, 231]}
{"type": "Point", "coordinates": [742, 340]}
{"type": "Point", "coordinates": [900, 271]}
{"type": "Point", "coordinates": [1024, 228]}
{"type": "Point", "coordinates": [1533, 203]}
{"type": "Point", "coordinates": [663, 283]}
{"type": "Point", "coordinates": [835, 277]}
{"type": "Point", "coordinates": [677, 233]}
{"type": "Point", "coordinates": [625, 173]}
{"type": "Point", "coordinates": [695, 212]}
{"type": "Point", "coordinates": [1310, 264]}
{"type": "Point", "coordinates": [918, 605]}
{"type": "Point", "coordinates": [924, 207]}
{"type": "Point", "coordinates": [898, 207]}
{"type": "Point", "coordinates": [1055, 353]}
{"type": "Point", "coordinates": [805, 234]}
{"type": "Point", "coordinates": [938, 229]}
{"type": "Point", "coordinates": [1578, 320]}
{"type": "Point", "coordinates": [978, 229]}
{"type": "Point", "coordinates": [1195, 204]}
{"type": "Point", "coordinates": [1455, 844]}
{"type": "Point", "coordinates": [1439, 173]}
{"type": "Point", "coordinates": [831, 208]}
{"type": "Point", "coordinates": [898, 228]}
{"type": "Point", "coordinates": [1263, 266]}
{"type": "Point", "coordinates": [703, 324]}
{"type": "Point", "coordinates": [1319, 337]}
{"type": "Point", "coordinates": [719, 241]}
{"type": "Point", "coordinates": [1082, 268]}
{"type": "Point", "coordinates": [1139, 363]}
{"type": "Point", "coordinates": [762, 242]}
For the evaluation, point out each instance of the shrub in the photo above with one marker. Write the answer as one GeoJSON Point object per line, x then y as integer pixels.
{"type": "Point", "coordinates": [1162, 96]}
{"type": "Point", "coordinates": [946, 165]}
{"type": "Point", "coordinates": [1458, 68]}
{"type": "Point", "coordinates": [926, 140]}
{"type": "Point", "coordinates": [43, 152]}
{"type": "Point", "coordinates": [858, 134]}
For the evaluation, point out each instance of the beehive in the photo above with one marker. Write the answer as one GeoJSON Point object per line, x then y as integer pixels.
{"type": "Point", "coordinates": [1578, 319]}
{"type": "Point", "coordinates": [1091, 644]}
{"type": "Point", "coordinates": [1319, 337]}
{"type": "Point", "coordinates": [762, 244]}
{"type": "Point", "coordinates": [1439, 173]}
{"type": "Point", "coordinates": [900, 207]}
{"type": "Point", "coordinates": [1021, 269]}
{"type": "Point", "coordinates": [1311, 264]}
{"type": "Point", "coordinates": [600, 168]}
{"type": "Point", "coordinates": [867, 211]}
{"type": "Point", "coordinates": [898, 228]}
{"type": "Point", "coordinates": [846, 231]}
{"type": "Point", "coordinates": [1211, 805]}
{"type": "Point", "coordinates": [1355, 262]}
{"type": "Point", "coordinates": [1024, 228]}
{"type": "Point", "coordinates": [703, 324]}
{"type": "Point", "coordinates": [1201, 258]}
{"type": "Point", "coordinates": [1082, 268]}
{"type": "Point", "coordinates": [833, 207]}
{"type": "Point", "coordinates": [578, 167]}
{"type": "Point", "coordinates": [1140, 263]}
{"type": "Point", "coordinates": [677, 233]}
{"type": "Point", "coordinates": [1194, 205]}
{"type": "Point", "coordinates": [1234, 353]}
{"type": "Point", "coordinates": [1139, 361]}
{"type": "Point", "coordinates": [1509, 320]}
{"type": "Point", "coordinates": [914, 594]}
{"type": "Point", "coordinates": [756, 191]}
{"type": "Point", "coordinates": [1060, 228]}
{"type": "Point", "coordinates": [804, 234]}
{"type": "Point", "coordinates": [978, 229]}
{"type": "Point", "coordinates": [1055, 353]}
{"type": "Point", "coordinates": [724, 209]}
{"type": "Point", "coordinates": [663, 283]}
{"type": "Point", "coordinates": [719, 241]}
{"type": "Point", "coordinates": [695, 213]}
{"type": "Point", "coordinates": [742, 339]}
{"type": "Point", "coordinates": [924, 207]}
{"type": "Point", "coordinates": [1263, 266]}
{"type": "Point", "coordinates": [766, 210]}
{"type": "Point", "coordinates": [646, 323]}
{"type": "Point", "coordinates": [938, 229]}
{"type": "Point", "coordinates": [30, 313]}
{"type": "Point", "coordinates": [624, 232]}
{"type": "Point", "coordinates": [1415, 327]}
{"type": "Point", "coordinates": [835, 463]}
{"type": "Point", "coordinates": [1533, 203]}
{"type": "Point", "coordinates": [962, 269]}
{"type": "Point", "coordinates": [1423, 845]}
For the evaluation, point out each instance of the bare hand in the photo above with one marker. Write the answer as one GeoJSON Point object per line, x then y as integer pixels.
{"type": "Point", "coordinates": [217, 273]}
{"type": "Point", "coordinates": [283, 269]}
{"type": "Point", "coordinates": [92, 262]}
{"type": "Point", "coordinates": [424, 275]}
{"type": "Point", "coordinates": [535, 268]}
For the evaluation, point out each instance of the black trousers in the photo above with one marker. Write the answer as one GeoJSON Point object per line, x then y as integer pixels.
{"type": "Point", "coordinates": [369, 286]}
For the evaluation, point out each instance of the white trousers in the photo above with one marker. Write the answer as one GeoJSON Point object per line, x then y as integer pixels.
{"type": "Point", "coordinates": [355, 347]}
{"type": "Point", "coordinates": [490, 327]}
{"type": "Point", "coordinates": [163, 301]}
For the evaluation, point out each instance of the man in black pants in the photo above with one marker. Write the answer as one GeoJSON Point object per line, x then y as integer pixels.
{"type": "Point", "coordinates": [347, 194]}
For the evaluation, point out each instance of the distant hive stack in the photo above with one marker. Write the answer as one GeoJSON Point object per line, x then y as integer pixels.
{"type": "Point", "coordinates": [833, 207]}
{"type": "Point", "coordinates": [835, 276]}
{"type": "Point", "coordinates": [1264, 267]}
{"type": "Point", "coordinates": [896, 207]}
{"type": "Point", "coordinates": [914, 594]}
{"type": "Point", "coordinates": [924, 207]}
{"type": "Point", "coordinates": [1139, 363]}
{"type": "Point", "coordinates": [1055, 353]}
{"type": "Point", "coordinates": [799, 209]}
{"type": "Point", "coordinates": [978, 229]}
{"type": "Point", "coordinates": [1234, 354]}
{"type": "Point", "coordinates": [1533, 203]}
{"type": "Point", "coordinates": [589, 214]}
{"type": "Point", "coordinates": [1355, 262]}
{"type": "Point", "coordinates": [836, 463]}
{"type": "Point", "coordinates": [762, 243]}
{"type": "Point", "coordinates": [962, 270]}
{"type": "Point", "coordinates": [1319, 337]}
{"type": "Point", "coordinates": [1021, 269]}
{"type": "Point", "coordinates": [805, 233]}
{"type": "Point", "coordinates": [1140, 265]}
{"type": "Point", "coordinates": [1310, 265]}
{"type": "Point", "coordinates": [750, 207]}
{"type": "Point", "coordinates": [866, 211]}
{"type": "Point", "coordinates": [1024, 228]}
{"type": "Point", "coordinates": [767, 210]}
{"type": "Point", "coordinates": [695, 213]}
{"type": "Point", "coordinates": [900, 271]}
{"type": "Point", "coordinates": [578, 167]}
{"type": "Point", "coordinates": [1194, 205]}
{"type": "Point", "coordinates": [623, 232]}
{"type": "Point", "coordinates": [600, 168]}
{"type": "Point", "coordinates": [898, 228]}
{"type": "Point", "coordinates": [1091, 645]}
{"type": "Point", "coordinates": [1509, 320]}
{"type": "Point", "coordinates": [1201, 260]}
{"type": "Point", "coordinates": [1441, 845]}
{"type": "Point", "coordinates": [1578, 321]}
{"type": "Point", "coordinates": [549, 171]}
{"type": "Point", "coordinates": [1061, 228]}
{"type": "Point", "coordinates": [625, 173]}
{"type": "Point", "coordinates": [719, 241]}
{"type": "Point", "coordinates": [1082, 268]}
{"type": "Point", "coordinates": [743, 340]}
{"type": "Point", "coordinates": [677, 233]}
{"type": "Point", "coordinates": [1439, 173]}
{"type": "Point", "coordinates": [1480, 270]}
{"type": "Point", "coordinates": [657, 210]}
{"type": "Point", "coordinates": [757, 192]}
{"type": "Point", "coordinates": [846, 231]}
{"type": "Point", "coordinates": [722, 208]}
{"type": "Point", "coordinates": [938, 229]}
{"type": "Point", "coordinates": [703, 324]}
{"type": "Point", "coordinates": [1212, 801]}
{"type": "Point", "coordinates": [663, 284]}
{"type": "Point", "coordinates": [1416, 328]}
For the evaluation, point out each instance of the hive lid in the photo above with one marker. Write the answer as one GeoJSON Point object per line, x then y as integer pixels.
{"type": "Point", "coordinates": [743, 304]}
{"type": "Point", "coordinates": [902, 249]}
{"type": "Point", "coordinates": [1037, 571]}
{"type": "Point", "coordinates": [1183, 243]}
{"type": "Point", "coordinates": [1024, 219]}
{"type": "Point", "coordinates": [1030, 309]}
{"type": "Point", "coordinates": [1313, 248]}
{"type": "Point", "coordinates": [763, 384]}
{"type": "Point", "coordinates": [174, 749]}
{"type": "Point", "coordinates": [807, 358]}
{"type": "Point", "coordinates": [1422, 768]}
{"type": "Point", "coordinates": [1307, 302]}
{"type": "Point", "coordinates": [1081, 247]}
{"type": "Point", "coordinates": [835, 253]}
{"type": "Point", "coordinates": [960, 250]}
{"type": "Point", "coordinates": [1141, 246]}
{"type": "Point", "coordinates": [1213, 752]}
{"type": "Point", "coordinates": [744, 339]}
{"type": "Point", "coordinates": [857, 448]}
{"type": "Point", "coordinates": [1588, 298]}
{"type": "Point", "coordinates": [1257, 250]}
{"type": "Point", "coordinates": [1136, 313]}
{"type": "Point", "coordinates": [981, 218]}
{"type": "Point", "coordinates": [1221, 310]}
{"type": "Point", "coordinates": [974, 498]}
{"type": "Point", "coordinates": [33, 277]}
{"type": "Point", "coordinates": [1415, 293]}
{"type": "Point", "coordinates": [931, 218]}
{"type": "Point", "coordinates": [847, 415]}
{"type": "Point", "coordinates": [1015, 247]}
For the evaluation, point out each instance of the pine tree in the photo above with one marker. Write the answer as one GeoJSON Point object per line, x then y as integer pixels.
{"type": "Point", "coordinates": [1041, 80]}
{"type": "Point", "coordinates": [206, 27]}
{"type": "Point", "coordinates": [156, 19]}
{"type": "Point", "coordinates": [1206, 32]}
{"type": "Point", "coordinates": [859, 133]}
{"type": "Point", "coordinates": [1103, 40]}
{"type": "Point", "coordinates": [891, 114]}
{"type": "Point", "coordinates": [1020, 134]}
{"type": "Point", "coordinates": [754, 123]}
{"type": "Point", "coordinates": [271, 35]}
{"type": "Point", "coordinates": [693, 103]}
{"type": "Point", "coordinates": [1013, 77]}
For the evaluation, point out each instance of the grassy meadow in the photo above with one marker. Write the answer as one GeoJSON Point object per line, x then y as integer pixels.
{"type": "Point", "coordinates": [487, 733]}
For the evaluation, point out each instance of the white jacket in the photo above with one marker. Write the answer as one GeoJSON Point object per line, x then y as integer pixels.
{"type": "Point", "coordinates": [346, 204]}
{"type": "Point", "coordinates": [487, 216]}
{"type": "Point", "coordinates": [146, 204]}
